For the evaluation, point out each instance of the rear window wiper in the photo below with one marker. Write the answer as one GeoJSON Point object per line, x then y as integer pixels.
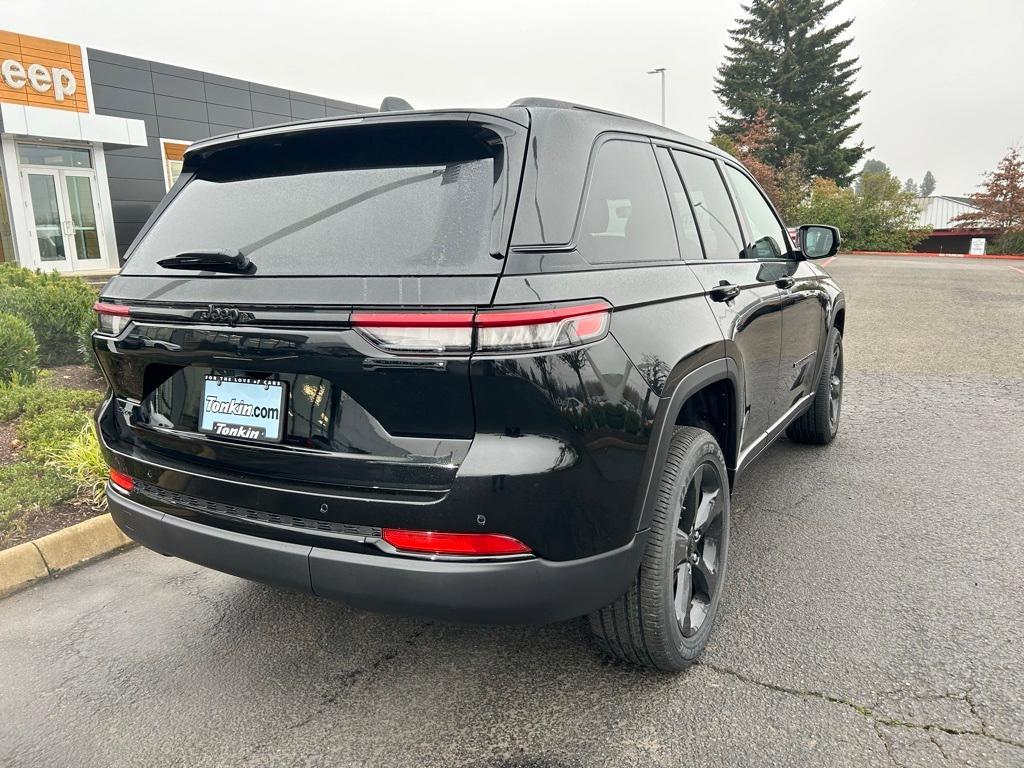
{"type": "Point", "coordinates": [225, 260]}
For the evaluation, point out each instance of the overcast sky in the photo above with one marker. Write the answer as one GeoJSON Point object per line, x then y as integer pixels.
{"type": "Point", "coordinates": [945, 76]}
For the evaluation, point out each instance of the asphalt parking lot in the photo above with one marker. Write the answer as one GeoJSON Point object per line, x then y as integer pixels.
{"type": "Point", "coordinates": [874, 611]}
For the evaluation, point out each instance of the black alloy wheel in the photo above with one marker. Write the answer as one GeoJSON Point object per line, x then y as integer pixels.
{"type": "Point", "coordinates": [666, 616]}
{"type": "Point", "coordinates": [698, 542]}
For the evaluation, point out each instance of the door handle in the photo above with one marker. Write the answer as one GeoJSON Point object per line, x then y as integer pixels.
{"type": "Point", "coordinates": [724, 291]}
{"type": "Point", "coordinates": [785, 282]}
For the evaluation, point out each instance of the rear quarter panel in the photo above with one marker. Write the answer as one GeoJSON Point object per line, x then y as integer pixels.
{"type": "Point", "coordinates": [662, 330]}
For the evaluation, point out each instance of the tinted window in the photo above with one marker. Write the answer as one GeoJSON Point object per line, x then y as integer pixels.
{"type": "Point", "coordinates": [682, 213]}
{"type": "Point", "coordinates": [627, 217]}
{"type": "Point", "coordinates": [711, 205]}
{"type": "Point", "coordinates": [768, 239]}
{"type": "Point", "coordinates": [396, 201]}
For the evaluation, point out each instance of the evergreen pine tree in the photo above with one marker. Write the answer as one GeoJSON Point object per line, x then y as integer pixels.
{"type": "Point", "coordinates": [910, 186]}
{"type": "Point", "coordinates": [927, 184]}
{"type": "Point", "coordinates": [784, 58]}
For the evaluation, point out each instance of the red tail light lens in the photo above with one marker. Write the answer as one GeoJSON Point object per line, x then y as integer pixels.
{"type": "Point", "coordinates": [122, 481]}
{"type": "Point", "coordinates": [491, 331]}
{"type": "Point", "coordinates": [467, 544]}
{"type": "Point", "coordinates": [513, 330]}
{"type": "Point", "coordinates": [111, 318]}
{"type": "Point", "coordinates": [429, 333]}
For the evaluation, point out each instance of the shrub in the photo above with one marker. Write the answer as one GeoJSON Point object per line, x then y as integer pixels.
{"type": "Point", "coordinates": [85, 349]}
{"type": "Point", "coordinates": [19, 353]}
{"type": "Point", "coordinates": [20, 398]}
{"type": "Point", "coordinates": [45, 436]}
{"type": "Point", "coordinates": [12, 274]}
{"type": "Point", "coordinates": [1010, 242]}
{"type": "Point", "coordinates": [55, 306]}
{"type": "Point", "coordinates": [82, 463]}
{"type": "Point", "coordinates": [877, 217]}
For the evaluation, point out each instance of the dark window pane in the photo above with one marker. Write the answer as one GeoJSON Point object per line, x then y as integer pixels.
{"type": "Point", "coordinates": [715, 216]}
{"type": "Point", "coordinates": [627, 216]}
{"type": "Point", "coordinates": [686, 225]}
{"type": "Point", "coordinates": [44, 154]}
{"type": "Point", "coordinates": [768, 239]}
{"type": "Point", "coordinates": [382, 202]}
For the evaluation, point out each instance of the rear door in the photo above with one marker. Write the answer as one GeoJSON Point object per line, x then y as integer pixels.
{"type": "Point", "coordinates": [279, 372]}
{"type": "Point", "coordinates": [743, 297]}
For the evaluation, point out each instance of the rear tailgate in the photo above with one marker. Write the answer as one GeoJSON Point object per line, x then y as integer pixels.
{"type": "Point", "coordinates": [408, 213]}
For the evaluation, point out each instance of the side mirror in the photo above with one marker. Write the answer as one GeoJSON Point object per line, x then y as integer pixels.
{"type": "Point", "coordinates": [818, 241]}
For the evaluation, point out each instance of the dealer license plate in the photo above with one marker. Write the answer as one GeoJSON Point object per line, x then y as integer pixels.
{"type": "Point", "coordinates": [244, 409]}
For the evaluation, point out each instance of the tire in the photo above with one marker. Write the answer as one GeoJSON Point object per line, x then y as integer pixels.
{"type": "Point", "coordinates": [819, 424]}
{"type": "Point", "coordinates": [643, 625]}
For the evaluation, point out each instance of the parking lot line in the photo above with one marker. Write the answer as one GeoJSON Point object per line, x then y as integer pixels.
{"type": "Point", "coordinates": [1016, 269]}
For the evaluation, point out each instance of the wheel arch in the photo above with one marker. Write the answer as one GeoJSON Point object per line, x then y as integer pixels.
{"type": "Point", "coordinates": [839, 318]}
{"type": "Point", "coordinates": [716, 379]}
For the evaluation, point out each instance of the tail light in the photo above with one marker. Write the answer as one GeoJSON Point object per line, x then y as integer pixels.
{"type": "Point", "coordinates": [488, 331]}
{"type": "Point", "coordinates": [122, 481]}
{"type": "Point", "coordinates": [111, 318]}
{"type": "Point", "coordinates": [466, 544]}
{"type": "Point", "coordinates": [417, 332]}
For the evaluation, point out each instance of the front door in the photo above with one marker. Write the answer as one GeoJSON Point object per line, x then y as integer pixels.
{"type": "Point", "coordinates": [804, 301]}
{"type": "Point", "coordinates": [65, 232]}
{"type": "Point", "coordinates": [745, 301]}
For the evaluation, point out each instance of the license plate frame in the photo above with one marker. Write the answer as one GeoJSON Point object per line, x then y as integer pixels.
{"type": "Point", "coordinates": [227, 400]}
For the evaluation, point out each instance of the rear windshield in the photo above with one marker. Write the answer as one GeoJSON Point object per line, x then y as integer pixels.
{"type": "Point", "coordinates": [381, 200]}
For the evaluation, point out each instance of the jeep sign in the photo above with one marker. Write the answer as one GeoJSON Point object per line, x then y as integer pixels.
{"type": "Point", "coordinates": [60, 80]}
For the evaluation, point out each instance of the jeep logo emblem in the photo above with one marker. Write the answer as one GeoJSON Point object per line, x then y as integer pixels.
{"type": "Point", "coordinates": [230, 315]}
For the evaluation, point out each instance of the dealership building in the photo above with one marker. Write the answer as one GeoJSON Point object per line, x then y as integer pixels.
{"type": "Point", "coordinates": [91, 141]}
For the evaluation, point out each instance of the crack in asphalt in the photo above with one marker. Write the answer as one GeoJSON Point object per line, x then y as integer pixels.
{"type": "Point", "coordinates": [877, 728]}
{"type": "Point", "coordinates": [867, 712]}
{"type": "Point", "coordinates": [340, 684]}
{"type": "Point", "coordinates": [938, 746]}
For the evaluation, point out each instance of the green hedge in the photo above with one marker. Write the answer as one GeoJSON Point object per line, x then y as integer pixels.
{"type": "Point", "coordinates": [55, 306]}
{"type": "Point", "coordinates": [19, 353]}
{"type": "Point", "coordinates": [1009, 242]}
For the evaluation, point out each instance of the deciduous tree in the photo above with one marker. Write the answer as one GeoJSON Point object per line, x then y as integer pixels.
{"type": "Point", "coordinates": [750, 146]}
{"type": "Point", "coordinates": [880, 217]}
{"type": "Point", "coordinates": [1000, 200]}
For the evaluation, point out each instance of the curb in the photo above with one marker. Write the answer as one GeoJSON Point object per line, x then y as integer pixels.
{"type": "Point", "coordinates": [915, 254]}
{"type": "Point", "coordinates": [57, 552]}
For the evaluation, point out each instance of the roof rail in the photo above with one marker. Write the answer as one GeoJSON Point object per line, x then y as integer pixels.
{"type": "Point", "coordinates": [536, 101]}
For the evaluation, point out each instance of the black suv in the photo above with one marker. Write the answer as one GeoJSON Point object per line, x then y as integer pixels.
{"type": "Point", "coordinates": [494, 365]}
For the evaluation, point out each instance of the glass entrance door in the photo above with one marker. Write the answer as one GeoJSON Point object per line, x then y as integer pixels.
{"type": "Point", "coordinates": [79, 188]}
{"type": "Point", "coordinates": [48, 216]}
{"type": "Point", "coordinates": [66, 234]}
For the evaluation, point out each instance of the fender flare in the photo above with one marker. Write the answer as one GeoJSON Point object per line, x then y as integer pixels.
{"type": "Point", "coordinates": [661, 433]}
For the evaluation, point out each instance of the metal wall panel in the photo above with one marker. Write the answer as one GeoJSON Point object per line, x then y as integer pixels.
{"type": "Point", "coordinates": [180, 104]}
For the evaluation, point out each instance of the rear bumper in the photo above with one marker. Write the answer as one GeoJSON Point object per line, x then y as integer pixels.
{"type": "Point", "coordinates": [523, 591]}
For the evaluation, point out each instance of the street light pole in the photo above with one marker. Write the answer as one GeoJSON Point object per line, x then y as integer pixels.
{"type": "Point", "coordinates": [660, 71]}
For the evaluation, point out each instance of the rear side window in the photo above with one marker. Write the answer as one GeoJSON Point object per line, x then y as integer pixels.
{"type": "Point", "coordinates": [626, 217]}
{"type": "Point", "coordinates": [682, 212]}
{"type": "Point", "coordinates": [398, 200]}
{"type": "Point", "coordinates": [768, 239]}
{"type": "Point", "coordinates": [715, 216]}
